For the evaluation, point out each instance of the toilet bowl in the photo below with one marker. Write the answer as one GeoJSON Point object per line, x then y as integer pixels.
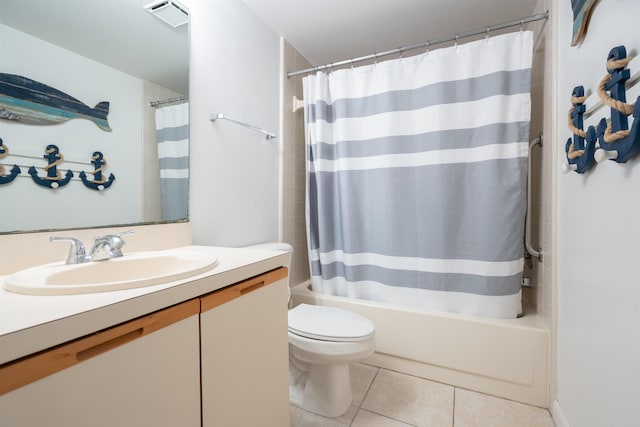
{"type": "Point", "coordinates": [322, 342]}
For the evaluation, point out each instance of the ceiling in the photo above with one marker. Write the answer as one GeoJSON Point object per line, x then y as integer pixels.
{"type": "Point", "coordinates": [323, 31]}
{"type": "Point", "coordinates": [118, 33]}
{"type": "Point", "coordinates": [326, 31]}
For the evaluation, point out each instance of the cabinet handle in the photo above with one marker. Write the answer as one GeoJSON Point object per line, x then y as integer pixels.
{"type": "Point", "coordinates": [24, 371]}
{"type": "Point", "coordinates": [249, 287]}
{"type": "Point", "coordinates": [108, 345]}
{"type": "Point", "coordinates": [232, 292]}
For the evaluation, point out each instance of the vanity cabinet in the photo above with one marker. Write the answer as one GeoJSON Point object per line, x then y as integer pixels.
{"type": "Point", "coordinates": [142, 373]}
{"type": "Point", "coordinates": [220, 359]}
{"type": "Point", "coordinates": [244, 357]}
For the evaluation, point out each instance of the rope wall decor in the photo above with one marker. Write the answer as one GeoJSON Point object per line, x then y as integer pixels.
{"type": "Point", "coordinates": [15, 170]}
{"type": "Point", "coordinates": [53, 178]}
{"type": "Point", "coordinates": [611, 139]}
{"type": "Point", "coordinates": [579, 152]}
{"type": "Point", "coordinates": [99, 182]}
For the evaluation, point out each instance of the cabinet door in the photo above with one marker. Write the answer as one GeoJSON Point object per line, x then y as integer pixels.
{"type": "Point", "coordinates": [244, 355]}
{"type": "Point", "coordinates": [145, 373]}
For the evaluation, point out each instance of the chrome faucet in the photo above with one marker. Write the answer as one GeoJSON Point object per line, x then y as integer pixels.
{"type": "Point", "coordinates": [77, 252]}
{"type": "Point", "coordinates": [107, 247]}
{"type": "Point", "coordinates": [104, 247]}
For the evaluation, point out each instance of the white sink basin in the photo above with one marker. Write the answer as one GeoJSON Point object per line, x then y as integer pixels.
{"type": "Point", "coordinates": [127, 272]}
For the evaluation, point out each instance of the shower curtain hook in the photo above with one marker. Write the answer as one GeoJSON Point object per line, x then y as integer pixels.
{"type": "Point", "coordinates": [427, 46]}
{"type": "Point", "coordinates": [521, 25]}
{"type": "Point", "coordinates": [486, 36]}
{"type": "Point", "coordinates": [456, 42]}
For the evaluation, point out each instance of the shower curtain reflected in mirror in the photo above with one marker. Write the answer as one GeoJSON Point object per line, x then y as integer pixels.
{"type": "Point", "coordinates": [416, 178]}
{"type": "Point", "coordinates": [172, 131]}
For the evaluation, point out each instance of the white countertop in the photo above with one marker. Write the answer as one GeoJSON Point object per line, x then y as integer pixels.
{"type": "Point", "coordinates": [30, 323]}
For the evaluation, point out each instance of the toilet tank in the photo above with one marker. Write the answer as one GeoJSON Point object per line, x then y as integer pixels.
{"type": "Point", "coordinates": [277, 246]}
{"type": "Point", "coordinates": [274, 246]}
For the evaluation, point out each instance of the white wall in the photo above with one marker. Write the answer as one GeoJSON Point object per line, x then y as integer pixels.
{"type": "Point", "coordinates": [234, 69]}
{"type": "Point", "coordinates": [598, 235]}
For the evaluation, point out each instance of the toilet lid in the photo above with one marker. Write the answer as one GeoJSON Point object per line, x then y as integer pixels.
{"type": "Point", "coordinates": [329, 323]}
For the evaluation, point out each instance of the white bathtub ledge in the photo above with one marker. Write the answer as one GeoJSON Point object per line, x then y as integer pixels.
{"type": "Point", "coordinates": [503, 357]}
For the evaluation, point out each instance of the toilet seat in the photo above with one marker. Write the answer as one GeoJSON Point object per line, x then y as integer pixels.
{"type": "Point", "coordinates": [329, 324]}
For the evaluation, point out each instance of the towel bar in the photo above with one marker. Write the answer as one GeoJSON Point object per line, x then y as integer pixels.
{"type": "Point", "coordinates": [214, 117]}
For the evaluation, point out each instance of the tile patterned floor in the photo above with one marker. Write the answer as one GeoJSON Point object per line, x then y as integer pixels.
{"type": "Point", "coordinates": [384, 398]}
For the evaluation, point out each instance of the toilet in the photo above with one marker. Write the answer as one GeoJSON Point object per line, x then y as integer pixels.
{"type": "Point", "coordinates": [323, 341]}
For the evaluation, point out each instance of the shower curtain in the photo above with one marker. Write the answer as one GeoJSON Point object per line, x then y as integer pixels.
{"type": "Point", "coordinates": [172, 131]}
{"type": "Point", "coordinates": [416, 177]}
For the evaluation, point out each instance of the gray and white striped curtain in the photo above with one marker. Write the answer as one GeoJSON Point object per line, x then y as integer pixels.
{"type": "Point", "coordinates": [416, 177]}
{"type": "Point", "coordinates": [172, 131]}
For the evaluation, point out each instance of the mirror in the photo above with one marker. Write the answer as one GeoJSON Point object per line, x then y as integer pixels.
{"type": "Point", "coordinates": [113, 52]}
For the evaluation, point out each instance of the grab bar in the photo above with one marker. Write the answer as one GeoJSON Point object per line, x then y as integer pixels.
{"type": "Point", "coordinates": [536, 253]}
{"type": "Point", "coordinates": [221, 116]}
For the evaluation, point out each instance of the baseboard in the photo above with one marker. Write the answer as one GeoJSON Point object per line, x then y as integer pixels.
{"type": "Point", "coordinates": [557, 415]}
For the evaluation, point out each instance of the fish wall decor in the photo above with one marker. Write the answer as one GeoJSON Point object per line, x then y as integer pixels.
{"type": "Point", "coordinates": [582, 10]}
{"type": "Point", "coordinates": [29, 102]}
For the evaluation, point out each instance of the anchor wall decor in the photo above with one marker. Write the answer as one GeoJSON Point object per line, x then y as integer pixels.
{"type": "Point", "coordinates": [579, 149]}
{"type": "Point", "coordinates": [15, 170]}
{"type": "Point", "coordinates": [54, 178]}
{"type": "Point", "coordinates": [615, 140]}
{"type": "Point", "coordinates": [611, 139]}
{"type": "Point", "coordinates": [99, 182]}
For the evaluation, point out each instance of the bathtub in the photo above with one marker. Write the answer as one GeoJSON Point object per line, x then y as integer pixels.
{"type": "Point", "coordinates": [508, 358]}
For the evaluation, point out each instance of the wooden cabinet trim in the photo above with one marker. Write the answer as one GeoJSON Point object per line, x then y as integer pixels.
{"type": "Point", "coordinates": [222, 296]}
{"type": "Point", "coordinates": [31, 368]}
{"type": "Point", "coordinates": [18, 373]}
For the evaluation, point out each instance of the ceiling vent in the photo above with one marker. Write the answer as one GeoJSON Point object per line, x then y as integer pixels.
{"type": "Point", "coordinates": [170, 11]}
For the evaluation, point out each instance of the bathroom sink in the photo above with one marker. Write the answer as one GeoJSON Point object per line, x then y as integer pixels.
{"type": "Point", "coordinates": [127, 272]}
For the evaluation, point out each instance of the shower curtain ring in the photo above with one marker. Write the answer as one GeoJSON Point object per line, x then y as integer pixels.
{"type": "Point", "coordinates": [486, 36]}
{"type": "Point", "coordinates": [456, 42]}
{"type": "Point", "coordinates": [427, 47]}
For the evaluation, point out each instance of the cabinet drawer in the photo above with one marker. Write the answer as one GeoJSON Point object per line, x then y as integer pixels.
{"type": "Point", "coordinates": [32, 368]}
{"type": "Point", "coordinates": [222, 296]}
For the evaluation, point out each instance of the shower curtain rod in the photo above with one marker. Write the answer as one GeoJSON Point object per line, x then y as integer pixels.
{"type": "Point", "coordinates": [453, 37]}
{"type": "Point", "coordinates": [169, 101]}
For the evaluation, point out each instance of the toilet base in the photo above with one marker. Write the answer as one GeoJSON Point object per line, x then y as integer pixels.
{"type": "Point", "coordinates": [323, 389]}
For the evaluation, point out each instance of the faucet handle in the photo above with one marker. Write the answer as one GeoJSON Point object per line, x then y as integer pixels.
{"type": "Point", "coordinates": [77, 252]}
{"type": "Point", "coordinates": [124, 233]}
{"type": "Point", "coordinates": [108, 246]}
{"type": "Point", "coordinates": [117, 242]}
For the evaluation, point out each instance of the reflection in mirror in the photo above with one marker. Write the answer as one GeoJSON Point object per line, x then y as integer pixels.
{"type": "Point", "coordinates": [109, 56]}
